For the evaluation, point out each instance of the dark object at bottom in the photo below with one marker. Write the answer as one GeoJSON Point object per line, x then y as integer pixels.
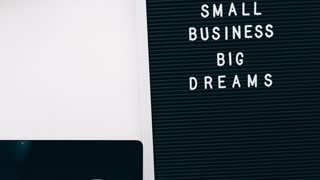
{"type": "Point", "coordinates": [70, 160]}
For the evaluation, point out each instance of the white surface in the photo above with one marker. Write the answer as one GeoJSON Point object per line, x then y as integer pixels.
{"type": "Point", "coordinates": [68, 69]}
{"type": "Point", "coordinates": [75, 70]}
{"type": "Point", "coordinates": [145, 97]}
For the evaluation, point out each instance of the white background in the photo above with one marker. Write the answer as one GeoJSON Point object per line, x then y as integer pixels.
{"type": "Point", "coordinates": [75, 70]}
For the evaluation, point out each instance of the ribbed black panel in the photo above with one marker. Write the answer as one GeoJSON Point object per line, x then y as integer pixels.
{"type": "Point", "coordinates": [241, 134]}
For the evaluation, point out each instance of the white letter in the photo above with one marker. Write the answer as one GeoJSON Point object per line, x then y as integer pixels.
{"type": "Point", "coordinates": [230, 58]}
{"type": "Point", "coordinates": [208, 82]}
{"type": "Point", "coordinates": [252, 82]}
{"type": "Point", "coordinates": [216, 34]}
{"type": "Point", "coordinates": [247, 31]}
{"type": "Point", "coordinates": [226, 33]}
{"type": "Point", "coordinates": [236, 81]}
{"type": "Point", "coordinates": [221, 81]}
{"type": "Point", "coordinates": [268, 82]}
{"type": "Point", "coordinates": [244, 10]}
{"type": "Point", "coordinates": [239, 58]}
{"type": "Point", "coordinates": [217, 12]}
{"type": "Point", "coordinates": [205, 13]}
{"type": "Point", "coordinates": [192, 34]}
{"type": "Point", "coordinates": [255, 10]}
{"type": "Point", "coordinates": [204, 35]}
{"type": "Point", "coordinates": [259, 33]}
{"type": "Point", "coordinates": [220, 59]}
{"type": "Point", "coordinates": [236, 32]}
{"type": "Point", "coordinates": [191, 85]}
{"type": "Point", "coordinates": [269, 28]}
{"type": "Point", "coordinates": [232, 10]}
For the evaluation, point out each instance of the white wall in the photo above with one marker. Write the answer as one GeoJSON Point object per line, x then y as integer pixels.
{"type": "Point", "coordinates": [69, 70]}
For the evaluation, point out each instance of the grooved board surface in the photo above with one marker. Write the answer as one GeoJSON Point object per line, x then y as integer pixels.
{"type": "Point", "coordinates": [241, 134]}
